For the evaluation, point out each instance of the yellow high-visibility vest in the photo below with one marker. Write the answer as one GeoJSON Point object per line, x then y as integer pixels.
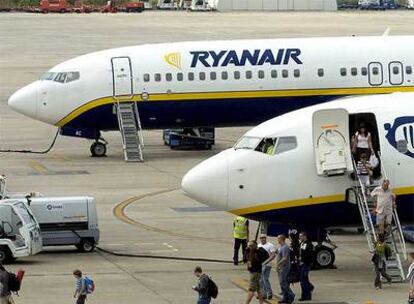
{"type": "Point", "coordinates": [240, 228]}
{"type": "Point", "coordinates": [270, 149]}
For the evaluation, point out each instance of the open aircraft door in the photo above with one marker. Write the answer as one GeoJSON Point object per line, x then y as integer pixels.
{"type": "Point", "coordinates": [122, 77]}
{"type": "Point", "coordinates": [331, 142]}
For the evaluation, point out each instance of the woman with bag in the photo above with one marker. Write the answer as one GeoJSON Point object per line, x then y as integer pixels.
{"type": "Point", "coordinates": [381, 254]}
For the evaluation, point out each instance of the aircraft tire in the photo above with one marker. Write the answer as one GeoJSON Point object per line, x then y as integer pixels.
{"type": "Point", "coordinates": [324, 257]}
{"type": "Point", "coordinates": [98, 149]}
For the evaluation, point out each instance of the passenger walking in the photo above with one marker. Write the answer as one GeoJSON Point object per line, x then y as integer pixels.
{"type": "Point", "coordinates": [81, 290]}
{"type": "Point", "coordinates": [254, 265]}
{"type": "Point", "coordinates": [384, 202]}
{"type": "Point", "coordinates": [381, 254]}
{"type": "Point", "coordinates": [202, 286]}
{"type": "Point", "coordinates": [4, 286]}
{"type": "Point", "coordinates": [305, 262]}
{"type": "Point", "coordinates": [410, 279]}
{"type": "Point", "coordinates": [364, 171]}
{"type": "Point", "coordinates": [267, 267]}
{"type": "Point", "coordinates": [283, 269]}
{"type": "Point", "coordinates": [241, 235]}
{"type": "Point", "coordinates": [362, 142]}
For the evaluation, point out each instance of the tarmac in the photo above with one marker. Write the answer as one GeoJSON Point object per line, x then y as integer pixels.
{"type": "Point", "coordinates": [141, 207]}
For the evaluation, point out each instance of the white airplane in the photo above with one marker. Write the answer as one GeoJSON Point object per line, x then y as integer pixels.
{"type": "Point", "coordinates": [304, 182]}
{"type": "Point", "coordinates": [212, 83]}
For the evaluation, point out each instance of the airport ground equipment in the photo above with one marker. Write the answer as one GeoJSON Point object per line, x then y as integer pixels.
{"type": "Point", "coordinates": [19, 231]}
{"type": "Point", "coordinates": [200, 5]}
{"type": "Point", "coordinates": [395, 237]}
{"type": "Point", "coordinates": [55, 6]}
{"type": "Point", "coordinates": [67, 221]}
{"type": "Point", "coordinates": [168, 4]}
{"type": "Point", "coordinates": [189, 138]}
{"type": "Point", "coordinates": [131, 131]}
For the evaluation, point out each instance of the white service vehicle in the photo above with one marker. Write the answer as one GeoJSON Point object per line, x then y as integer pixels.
{"type": "Point", "coordinates": [19, 231]}
{"type": "Point", "coordinates": [67, 221]}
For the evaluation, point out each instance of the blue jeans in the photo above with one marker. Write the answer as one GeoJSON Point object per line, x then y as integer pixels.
{"type": "Point", "coordinates": [287, 293]}
{"type": "Point", "coordinates": [264, 281]}
{"type": "Point", "coordinates": [305, 284]}
{"type": "Point", "coordinates": [203, 300]}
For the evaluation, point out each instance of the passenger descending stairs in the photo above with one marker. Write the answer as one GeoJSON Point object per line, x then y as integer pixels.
{"type": "Point", "coordinates": [395, 239]}
{"type": "Point", "coordinates": [131, 131]}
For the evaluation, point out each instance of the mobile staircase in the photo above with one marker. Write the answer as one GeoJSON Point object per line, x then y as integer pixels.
{"type": "Point", "coordinates": [131, 131]}
{"type": "Point", "coordinates": [395, 237]}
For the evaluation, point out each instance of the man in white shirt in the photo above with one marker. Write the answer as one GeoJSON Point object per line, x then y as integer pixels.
{"type": "Point", "coordinates": [384, 201]}
{"type": "Point", "coordinates": [267, 267]}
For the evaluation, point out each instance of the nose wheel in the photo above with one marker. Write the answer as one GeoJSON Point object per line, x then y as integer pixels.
{"type": "Point", "coordinates": [98, 149]}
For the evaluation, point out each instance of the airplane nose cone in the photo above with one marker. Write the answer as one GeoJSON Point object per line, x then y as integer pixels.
{"type": "Point", "coordinates": [208, 181]}
{"type": "Point", "coordinates": [24, 100]}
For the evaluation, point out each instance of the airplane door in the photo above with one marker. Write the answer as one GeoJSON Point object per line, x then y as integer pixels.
{"type": "Point", "coordinates": [122, 77]}
{"type": "Point", "coordinates": [395, 70]}
{"type": "Point", "coordinates": [375, 74]}
{"type": "Point", "coordinates": [331, 142]}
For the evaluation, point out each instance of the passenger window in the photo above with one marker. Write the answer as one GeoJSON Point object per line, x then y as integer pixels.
{"type": "Point", "coordinates": [168, 76]}
{"type": "Point", "coordinates": [354, 71]}
{"type": "Point", "coordinates": [408, 69]}
{"type": "Point", "coordinates": [343, 71]}
{"type": "Point", "coordinates": [396, 70]}
{"type": "Point", "coordinates": [249, 74]}
{"type": "Point", "coordinates": [375, 71]}
{"type": "Point", "coordinates": [146, 77]}
{"type": "Point", "coordinates": [60, 77]}
{"type": "Point", "coordinates": [285, 144]}
{"type": "Point", "coordinates": [273, 74]}
{"type": "Point", "coordinates": [191, 76]}
{"type": "Point", "coordinates": [213, 75]}
{"type": "Point", "coordinates": [157, 77]}
{"type": "Point", "coordinates": [224, 75]}
{"type": "Point", "coordinates": [236, 75]}
{"type": "Point", "coordinates": [285, 73]}
{"type": "Point", "coordinates": [321, 72]}
{"type": "Point", "coordinates": [296, 73]}
{"type": "Point", "coordinates": [180, 76]}
{"type": "Point", "coordinates": [72, 76]}
{"type": "Point", "coordinates": [202, 76]}
{"type": "Point", "coordinates": [364, 71]}
{"type": "Point", "coordinates": [260, 74]}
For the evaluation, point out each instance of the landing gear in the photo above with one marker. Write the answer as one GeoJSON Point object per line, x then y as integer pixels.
{"type": "Point", "coordinates": [324, 256]}
{"type": "Point", "coordinates": [98, 149]}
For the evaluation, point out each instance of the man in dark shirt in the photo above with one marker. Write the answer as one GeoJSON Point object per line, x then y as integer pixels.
{"type": "Point", "coordinates": [254, 265]}
{"type": "Point", "coordinates": [306, 259]}
{"type": "Point", "coordinates": [4, 286]}
{"type": "Point", "coordinates": [202, 286]}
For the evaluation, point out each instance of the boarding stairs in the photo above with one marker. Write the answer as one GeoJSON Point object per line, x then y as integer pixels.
{"type": "Point", "coordinates": [395, 237]}
{"type": "Point", "coordinates": [131, 131]}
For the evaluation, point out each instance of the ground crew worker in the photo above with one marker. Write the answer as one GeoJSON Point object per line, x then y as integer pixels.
{"type": "Point", "coordinates": [241, 235]}
{"type": "Point", "coordinates": [305, 262]}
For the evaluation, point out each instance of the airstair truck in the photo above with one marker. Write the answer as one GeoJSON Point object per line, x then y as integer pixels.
{"type": "Point", "coordinates": [67, 221]}
{"type": "Point", "coordinates": [19, 231]}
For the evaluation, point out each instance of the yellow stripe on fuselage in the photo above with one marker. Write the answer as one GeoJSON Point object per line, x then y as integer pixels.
{"type": "Point", "coordinates": [233, 94]}
{"type": "Point", "coordinates": [306, 202]}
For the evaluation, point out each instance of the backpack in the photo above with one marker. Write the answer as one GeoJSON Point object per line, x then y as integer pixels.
{"type": "Point", "coordinates": [89, 285]}
{"type": "Point", "coordinates": [13, 283]}
{"type": "Point", "coordinates": [212, 289]}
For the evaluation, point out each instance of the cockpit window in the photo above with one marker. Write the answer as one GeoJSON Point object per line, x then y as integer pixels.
{"type": "Point", "coordinates": [48, 76]}
{"type": "Point", "coordinates": [64, 77]}
{"type": "Point", "coordinates": [285, 144]}
{"type": "Point", "coordinates": [247, 142]}
{"type": "Point", "coordinates": [276, 145]}
{"type": "Point", "coordinates": [72, 76]}
{"type": "Point", "coordinates": [60, 77]}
